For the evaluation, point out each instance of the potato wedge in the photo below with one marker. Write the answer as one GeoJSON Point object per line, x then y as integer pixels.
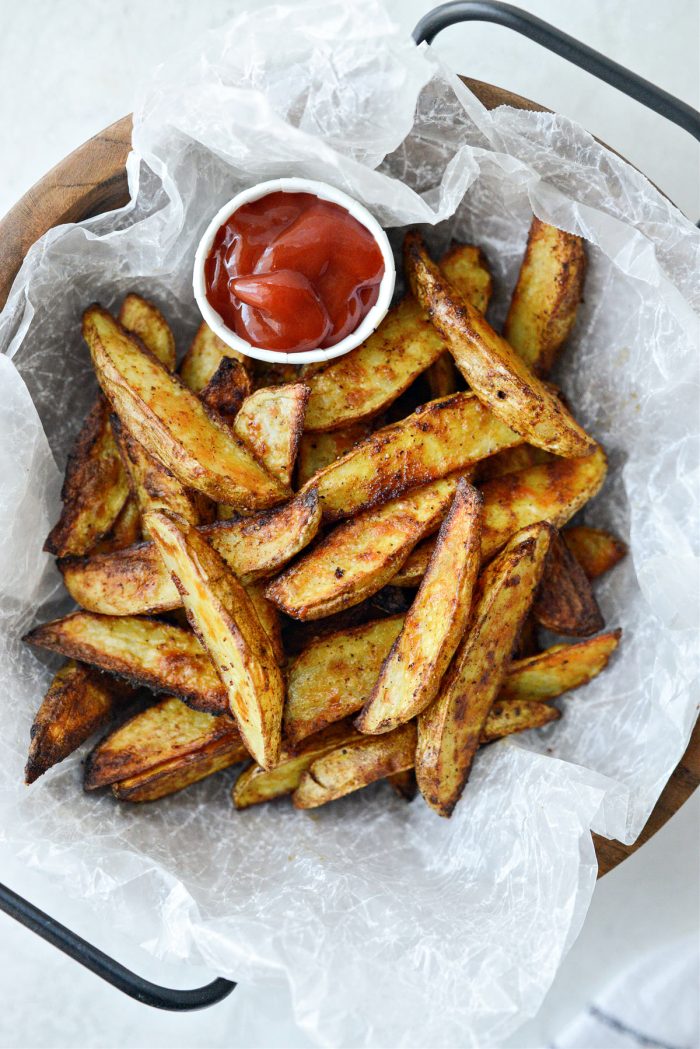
{"type": "Point", "coordinates": [507, 718]}
{"type": "Point", "coordinates": [200, 363]}
{"type": "Point", "coordinates": [411, 674]}
{"type": "Point", "coordinates": [549, 288]}
{"type": "Point", "coordinates": [224, 617]}
{"type": "Point", "coordinates": [358, 385]}
{"type": "Point", "coordinates": [511, 460]}
{"type": "Point", "coordinates": [255, 785]}
{"type": "Point", "coordinates": [145, 320]}
{"type": "Point", "coordinates": [332, 678]}
{"type": "Point", "coordinates": [552, 492]}
{"type": "Point", "coordinates": [79, 702]}
{"type": "Point", "coordinates": [95, 487]}
{"type": "Point", "coordinates": [171, 423]}
{"type": "Point", "coordinates": [352, 767]}
{"type": "Point", "coordinates": [595, 550]}
{"type": "Point", "coordinates": [565, 602]}
{"type": "Point", "coordinates": [167, 730]}
{"type": "Point", "coordinates": [415, 566]}
{"type": "Point", "coordinates": [558, 669]}
{"type": "Point", "coordinates": [270, 423]}
{"type": "Point", "coordinates": [135, 580]}
{"type": "Point", "coordinates": [359, 556]}
{"type": "Point", "coordinates": [442, 376]}
{"type": "Point", "coordinates": [438, 439]}
{"type": "Point", "coordinates": [465, 268]}
{"type": "Point", "coordinates": [493, 370]}
{"type": "Point", "coordinates": [363, 382]}
{"type": "Point", "coordinates": [144, 651]}
{"type": "Point", "coordinates": [450, 729]}
{"type": "Point", "coordinates": [178, 773]}
{"type": "Point", "coordinates": [125, 531]}
{"type": "Point", "coordinates": [153, 486]}
{"type": "Point", "coordinates": [269, 619]}
{"type": "Point", "coordinates": [317, 450]}
{"type": "Point", "coordinates": [227, 389]}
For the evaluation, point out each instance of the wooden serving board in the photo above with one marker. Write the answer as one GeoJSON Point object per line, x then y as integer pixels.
{"type": "Point", "coordinates": [91, 180]}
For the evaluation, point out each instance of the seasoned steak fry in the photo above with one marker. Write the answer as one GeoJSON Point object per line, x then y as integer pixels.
{"type": "Point", "coordinates": [496, 374]}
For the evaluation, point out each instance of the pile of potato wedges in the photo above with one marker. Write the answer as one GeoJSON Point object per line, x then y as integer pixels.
{"type": "Point", "coordinates": [335, 574]}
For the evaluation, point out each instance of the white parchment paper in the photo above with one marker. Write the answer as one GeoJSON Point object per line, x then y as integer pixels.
{"type": "Point", "coordinates": [392, 926]}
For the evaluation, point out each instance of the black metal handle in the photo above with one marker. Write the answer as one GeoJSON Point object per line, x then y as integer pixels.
{"type": "Point", "coordinates": [107, 968]}
{"type": "Point", "coordinates": [564, 45]}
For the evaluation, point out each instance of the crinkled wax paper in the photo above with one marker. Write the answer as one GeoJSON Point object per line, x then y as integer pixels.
{"type": "Point", "coordinates": [392, 926]}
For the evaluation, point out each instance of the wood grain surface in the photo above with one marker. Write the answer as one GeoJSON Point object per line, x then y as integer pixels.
{"type": "Point", "coordinates": [91, 180]}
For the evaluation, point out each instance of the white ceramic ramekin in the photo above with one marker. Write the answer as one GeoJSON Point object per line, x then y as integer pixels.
{"type": "Point", "coordinates": [325, 192]}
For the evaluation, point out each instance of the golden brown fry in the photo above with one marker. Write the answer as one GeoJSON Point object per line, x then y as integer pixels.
{"type": "Point", "coordinates": [135, 580]}
{"type": "Point", "coordinates": [165, 731]}
{"type": "Point", "coordinates": [94, 490]}
{"type": "Point", "coordinates": [358, 385]}
{"type": "Point", "coordinates": [227, 389]}
{"type": "Point", "coordinates": [450, 729]}
{"type": "Point", "coordinates": [440, 438]}
{"type": "Point", "coordinates": [269, 619]}
{"type": "Point", "coordinates": [125, 531]}
{"type": "Point", "coordinates": [270, 423]}
{"type": "Point", "coordinates": [415, 566]}
{"type": "Point", "coordinates": [552, 492]}
{"type": "Point", "coordinates": [359, 556]}
{"type": "Point", "coordinates": [317, 450]}
{"type": "Point", "coordinates": [511, 461]}
{"type": "Point", "coordinates": [153, 486]}
{"type": "Point", "coordinates": [178, 773]}
{"type": "Point", "coordinates": [411, 674]}
{"type": "Point", "coordinates": [558, 669]}
{"type": "Point", "coordinates": [565, 602]}
{"type": "Point", "coordinates": [506, 718]}
{"type": "Point", "coordinates": [144, 651]}
{"type": "Point", "coordinates": [145, 320]}
{"type": "Point", "coordinates": [442, 376]}
{"type": "Point", "coordinates": [355, 766]}
{"type": "Point", "coordinates": [332, 678]}
{"type": "Point", "coordinates": [595, 550]}
{"type": "Point", "coordinates": [491, 367]}
{"type": "Point", "coordinates": [466, 269]}
{"type": "Point", "coordinates": [224, 617]}
{"type": "Point", "coordinates": [171, 423]}
{"type": "Point", "coordinates": [204, 356]}
{"type": "Point", "coordinates": [549, 288]}
{"type": "Point", "coordinates": [79, 702]}
{"type": "Point", "coordinates": [255, 785]}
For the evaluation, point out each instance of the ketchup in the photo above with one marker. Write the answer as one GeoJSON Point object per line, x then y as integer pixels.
{"type": "Point", "coordinates": [293, 272]}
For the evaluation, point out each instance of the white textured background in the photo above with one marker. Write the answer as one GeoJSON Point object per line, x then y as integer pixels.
{"type": "Point", "coordinates": [67, 69]}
